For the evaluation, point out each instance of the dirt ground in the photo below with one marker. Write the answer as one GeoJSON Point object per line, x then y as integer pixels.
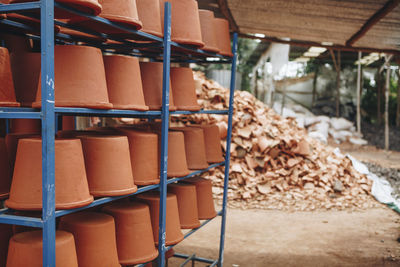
{"type": "Point", "coordinates": [323, 238]}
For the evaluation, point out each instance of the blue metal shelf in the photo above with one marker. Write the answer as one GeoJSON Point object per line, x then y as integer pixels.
{"type": "Point", "coordinates": [195, 173]}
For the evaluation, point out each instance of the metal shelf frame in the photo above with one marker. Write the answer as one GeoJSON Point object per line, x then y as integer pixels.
{"type": "Point", "coordinates": [160, 49]}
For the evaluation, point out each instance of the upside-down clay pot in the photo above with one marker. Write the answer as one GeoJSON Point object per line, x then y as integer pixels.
{"type": "Point", "coordinates": [134, 233]}
{"type": "Point", "coordinates": [26, 73]}
{"type": "Point", "coordinates": [5, 173]}
{"type": "Point", "coordinates": [25, 126]}
{"type": "Point", "coordinates": [71, 185]}
{"type": "Point", "coordinates": [152, 79]}
{"type": "Point", "coordinates": [108, 165]}
{"type": "Point", "coordinates": [194, 147]}
{"type": "Point", "coordinates": [207, 31]}
{"type": "Point", "coordinates": [123, 12]}
{"type": "Point", "coordinates": [149, 15]}
{"type": "Point", "coordinates": [185, 22]}
{"type": "Point", "coordinates": [212, 139]}
{"type": "Point", "coordinates": [7, 94]}
{"type": "Point", "coordinates": [173, 234]}
{"type": "Point", "coordinates": [26, 249]}
{"type": "Point", "coordinates": [187, 204]}
{"type": "Point", "coordinates": [91, 7]}
{"type": "Point", "coordinates": [184, 89]}
{"type": "Point", "coordinates": [205, 201]}
{"type": "Point", "coordinates": [124, 83]}
{"type": "Point", "coordinates": [144, 156]}
{"type": "Point", "coordinates": [221, 26]}
{"type": "Point", "coordinates": [95, 240]}
{"type": "Point", "coordinates": [79, 78]}
{"type": "Point", "coordinates": [12, 140]}
{"type": "Point", "coordinates": [5, 235]}
{"type": "Point", "coordinates": [68, 123]}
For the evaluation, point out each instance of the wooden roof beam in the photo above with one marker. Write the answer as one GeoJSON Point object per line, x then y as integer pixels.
{"type": "Point", "coordinates": [223, 6]}
{"type": "Point", "coordinates": [380, 14]}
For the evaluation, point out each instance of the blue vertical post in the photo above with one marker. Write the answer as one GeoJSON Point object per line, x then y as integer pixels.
{"type": "Point", "coordinates": [7, 121]}
{"type": "Point", "coordinates": [228, 151]}
{"type": "Point", "coordinates": [164, 133]}
{"type": "Point", "coordinates": [48, 132]}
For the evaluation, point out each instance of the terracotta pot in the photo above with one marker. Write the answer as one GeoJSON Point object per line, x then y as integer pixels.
{"type": "Point", "coordinates": [213, 142]}
{"type": "Point", "coordinates": [149, 15]}
{"type": "Point", "coordinates": [108, 165]}
{"type": "Point", "coordinates": [71, 186]}
{"type": "Point", "coordinates": [152, 77]}
{"type": "Point", "coordinates": [173, 234]}
{"type": "Point", "coordinates": [123, 12]}
{"type": "Point", "coordinates": [187, 204]}
{"type": "Point", "coordinates": [207, 31]}
{"type": "Point", "coordinates": [88, 88]}
{"type": "Point", "coordinates": [221, 26]}
{"type": "Point", "coordinates": [144, 156]}
{"type": "Point", "coordinates": [7, 95]}
{"type": "Point", "coordinates": [185, 22]}
{"type": "Point", "coordinates": [195, 147]}
{"type": "Point", "coordinates": [205, 201]}
{"type": "Point", "coordinates": [12, 140]}
{"type": "Point", "coordinates": [5, 235]}
{"type": "Point", "coordinates": [68, 123]}
{"type": "Point", "coordinates": [26, 249]}
{"type": "Point", "coordinates": [177, 163]}
{"type": "Point", "coordinates": [135, 242]}
{"type": "Point", "coordinates": [184, 89]}
{"type": "Point", "coordinates": [95, 240]}
{"type": "Point", "coordinates": [91, 7]}
{"type": "Point", "coordinates": [5, 173]}
{"type": "Point", "coordinates": [26, 73]}
{"type": "Point", "coordinates": [25, 126]}
{"type": "Point", "coordinates": [124, 82]}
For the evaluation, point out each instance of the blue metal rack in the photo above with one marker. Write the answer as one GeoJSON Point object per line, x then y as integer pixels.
{"type": "Point", "coordinates": [160, 49]}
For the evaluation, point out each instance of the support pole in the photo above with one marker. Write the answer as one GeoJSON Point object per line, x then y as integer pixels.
{"type": "Point", "coordinates": [314, 91]}
{"type": "Point", "coordinates": [337, 64]}
{"type": "Point", "coordinates": [359, 93]}
{"type": "Point", "coordinates": [379, 97]}
{"type": "Point", "coordinates": [398, 100]}
{"type": "Point", "coordinates": [387, 91]}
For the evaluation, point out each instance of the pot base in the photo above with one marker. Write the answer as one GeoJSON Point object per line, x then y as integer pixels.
{"type": "Point", "coordinates": [101, 105]}
{"type": "Point", "coordinates": [9, 104]}
{"type": "Point", "coordinates": [65, 206]}
{"type": "Point", "coordinates": [113, 193]}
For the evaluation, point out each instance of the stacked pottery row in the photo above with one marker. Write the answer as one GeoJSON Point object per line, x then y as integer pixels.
{"type": "Point", "coordinates": [122, 233]}
{"type": "Point", "coordinates": [86, 78]}
{"type": "Point", "coordinates": [130, 155]}
{"type": "Point", "coordinates": [190, 25]}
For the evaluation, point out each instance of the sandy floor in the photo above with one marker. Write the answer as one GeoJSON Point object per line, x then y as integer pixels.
{"type": "Point", "coordinates": [277, 238]}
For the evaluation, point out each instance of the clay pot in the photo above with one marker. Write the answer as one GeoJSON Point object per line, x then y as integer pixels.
{"type": "Point", "coordinates": [71, 186]}
{"type": "Point", "coordinates": [91, 7]}
{"type": "Point", "coordinates": [7, 95]}
{"type": "Point", "coordinates": [144, 156]}
{"type": "Point", "coordinates": [25, 126]}
{"type": "Point", "coordinates": [173, 234]}
{"type": "Point", "coordinates": [207, 31]}
{"type": "Point", "coordinates": [152, 77]}
{"type": "Point", "coordinates": [123, 12]}
{"type": "Point", "coordinates": [124, 82]}
{"type": "Point", "coordinates": [149, 15]}
{"type": "Point", "coordinates": [187, 204]}
{"type": "Point", "coordinates": [26, 73]}
{"type": "Point", "coordinates": [68, 123]}
{"type": "Point", "coordinates": [185, 22]}
{"type": "Point", "coordinates": [88, 87]}
{"type": "Point", "coordinates": [183, 89]}
{"type": "Point", "coordinates": [195, 147]}
{"type": "Point", "coordinates": [12, 140]}
{"type": "Point", "coordinates": [213, 142]}
{"type": "Point", "coordinates": [95, 239]}
{"type": "Point", "coordinates": [5, 235]}
{"type": "Point", "coordinates": [26, 249]}
{"type": "Point", "coordinates": [108, 165]}
{"type": "Point", "coordinates": [135, 242]}
{"type": "Point", "coordinates": [5, 173]}
{"type": "Point", "coordinates": [205, 202]}
{"type": "Point", "coordinates": [221, 26]}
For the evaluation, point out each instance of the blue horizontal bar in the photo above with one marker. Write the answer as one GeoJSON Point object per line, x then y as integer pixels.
{"type": "Point", "coordinates": [171, 181]}
{"type": "Point", "coordinates": [199, 259]}
{"type": "Point", "coordinates": [105, 200]}
{"type": "Point", "coordinates": [18, 25]}
{"type": "Point", "coordinates": [8, 8]}
{"type": "Point", "coordinates": [185, 112]}
{"type": "Point", "coordinates": [20, 115]}
{"type": "Point", "coordinates": [21, 220]}
{"type": "Point", "coordinates": [105, 112]}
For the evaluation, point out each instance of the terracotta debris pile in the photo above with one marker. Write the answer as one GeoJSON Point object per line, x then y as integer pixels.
{"type": "Point", "coordinates": [274, 163]}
